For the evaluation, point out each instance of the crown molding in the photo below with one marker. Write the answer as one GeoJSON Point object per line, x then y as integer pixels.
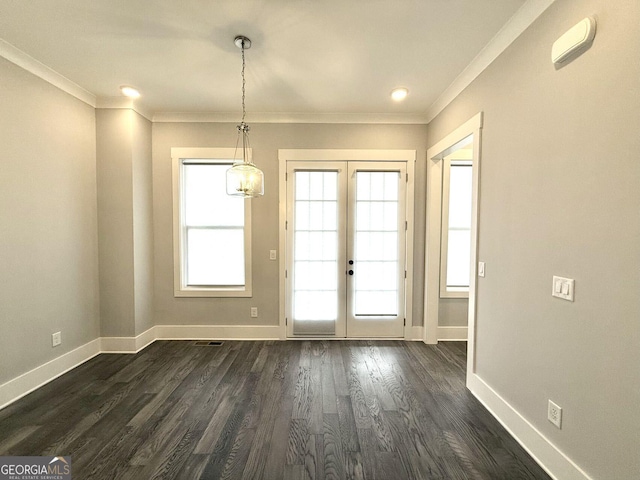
{"type": "Point", "coordinates": [234, 117]}
{"type": "Point", "coordinates": [516, 25]}
{"type": "Point", "coordinates": [124, 102]}
{"type": "Point", "coordinates": [39, 69]}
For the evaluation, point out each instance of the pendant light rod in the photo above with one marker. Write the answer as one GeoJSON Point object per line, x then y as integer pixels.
{"type": "Point", "coordinates": [243, 43]}
{"type": "Point", "coordinates": [244, 179]}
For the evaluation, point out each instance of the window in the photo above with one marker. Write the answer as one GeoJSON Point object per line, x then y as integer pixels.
{"type": "Point", "coordinates": [212, 234]}
{"type": "Point", "coordinates": [456, 228]}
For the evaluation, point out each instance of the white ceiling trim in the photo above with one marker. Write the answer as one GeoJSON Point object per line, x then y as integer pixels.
{"type": "Point", "coordinates": [123, 102]}
{"type": "Point", "coordinates": [231, 117]}
{"type": "Point", "coordinates": [516, 25]}
{"type": "Point", "coordinates": [39, 69]}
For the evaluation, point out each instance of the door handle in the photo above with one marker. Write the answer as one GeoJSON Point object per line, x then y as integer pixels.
{"type": "Point", "coordinates": [350, 272]}
{"type": "Point", "coordinates": [350, 262]}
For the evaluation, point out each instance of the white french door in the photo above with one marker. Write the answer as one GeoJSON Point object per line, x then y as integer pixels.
{"type": "Point", "coordinates": [376, 243]}
{"type": "Point", "coordinates": [346, 249]}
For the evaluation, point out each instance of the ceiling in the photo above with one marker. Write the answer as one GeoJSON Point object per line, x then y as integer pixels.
{"type": "Point", "coordinates": [308, 56]}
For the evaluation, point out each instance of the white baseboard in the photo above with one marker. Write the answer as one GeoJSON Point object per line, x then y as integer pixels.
{"type": "Point", "coordinates": [452, 334]}
{"type": "Point", "coordinates": [145, 339]}
{"type": "Point", "coordinates": [545, 453]}
{"type": "Point", "coordinates": [217, 332]}
{"type": "Point", "coordinates": [128, 344]}
{"type": "Point", "coordinates": [30, 381]}
{"type": "Point", "coordinates": [550, 458]}
{"type": "Point", "coordinates": [188, 332]}
{"type": "Point", "coordinates": [117, 345]}
{"type": "Point", "coordinates": [26, 383]}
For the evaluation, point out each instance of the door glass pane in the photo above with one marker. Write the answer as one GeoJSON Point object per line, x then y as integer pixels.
{"type": "Point", "coordinates": [374, 246]}
{"type": "Point", "coordinates": [311, 307]}
{"type": "Point", "coordinates": [315, 252]}
{"type": "Point", "coordinates": [372, 303]}
{"type": "Point", "coordinates": [376, 265]}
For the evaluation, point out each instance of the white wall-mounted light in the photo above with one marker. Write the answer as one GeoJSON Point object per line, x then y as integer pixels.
{"type": "Point", "coordinates": [129, 91]}
{"type": "Point", "coordinates": [574, 41]}
{"type": "Point", "coordinates": [399, 94]}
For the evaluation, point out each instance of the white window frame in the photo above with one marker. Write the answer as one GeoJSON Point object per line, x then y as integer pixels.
{"type": "Point", "coordinates": [214, 156]}
{"type": "Point", "coordinates": [462, 292]}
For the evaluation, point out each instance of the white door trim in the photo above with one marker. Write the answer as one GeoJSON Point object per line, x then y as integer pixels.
{"type": "Point", "coordinates": [332, 155]}
{"type": "Point", "coordinates": [435, 154]}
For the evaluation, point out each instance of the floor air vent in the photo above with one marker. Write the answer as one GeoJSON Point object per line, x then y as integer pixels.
{"type": "Point", "coordinates": [207, 343]}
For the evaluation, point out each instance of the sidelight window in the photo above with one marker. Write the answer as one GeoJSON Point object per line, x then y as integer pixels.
{"type": "Point", "coordinates": [456, 228]}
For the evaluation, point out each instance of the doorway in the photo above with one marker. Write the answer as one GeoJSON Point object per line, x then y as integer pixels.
{"type": "Point", "coordinates": [345, 255]}
{"type": "Point", "coordinates": [437, 288]}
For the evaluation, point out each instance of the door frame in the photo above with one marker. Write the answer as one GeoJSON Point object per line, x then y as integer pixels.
{"type": "Point", "coordinates": [435, 155]}
{"type": "Point", "coordinates": [346, 155]}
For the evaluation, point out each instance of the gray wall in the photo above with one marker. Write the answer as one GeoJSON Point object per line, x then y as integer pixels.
{"type": "Point", "coordinates": [115, 222]}
{"type": "Point", "coordinates": [453, 312]}
{"type": "Point", "coordinates": [125, 222]}
{"type": "Point", "coordinates": [142, 223]}
{"type": "Point", "coordinates": [266, 139]}
{"type": "Point", "coordinates": [48, 233]}
{"type": "Point", "coordinates": [560, 195]}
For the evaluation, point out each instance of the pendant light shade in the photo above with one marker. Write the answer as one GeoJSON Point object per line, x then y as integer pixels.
{"type": "Point", "coordinates": [244, 179]}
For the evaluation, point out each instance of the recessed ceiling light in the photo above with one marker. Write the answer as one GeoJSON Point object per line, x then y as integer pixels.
{"type": "Point", "coordinates": [399, 94]}
{"type": "Point", "coordinates": [129, 91]}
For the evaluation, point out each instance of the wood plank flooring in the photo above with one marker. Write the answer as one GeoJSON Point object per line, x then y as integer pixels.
{"type": "Point", "coordinates": [380, 410]}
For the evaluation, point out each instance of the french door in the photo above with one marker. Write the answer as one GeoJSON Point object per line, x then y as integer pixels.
{"type": "Point", "coordinates": [345, 246]}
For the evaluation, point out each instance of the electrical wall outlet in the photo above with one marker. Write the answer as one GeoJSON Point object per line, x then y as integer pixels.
{"type": "Point", "coordinates": [254, 312]}
{"type": "Point", "coordinates": [554, 414]}
{"type": "Point", "coordinates": [56, 339]}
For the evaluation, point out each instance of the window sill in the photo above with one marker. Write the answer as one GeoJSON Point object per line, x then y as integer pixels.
{"type": "Point", "coordinates": [212, 292]}
{"type": "Point", "coordinates": [454, 294]}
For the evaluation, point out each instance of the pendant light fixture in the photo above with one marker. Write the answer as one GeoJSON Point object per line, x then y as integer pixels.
{"type": "Point", "coordinates": [244, 179]}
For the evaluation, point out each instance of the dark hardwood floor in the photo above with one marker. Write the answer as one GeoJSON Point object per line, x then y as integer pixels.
{"type": "Point", "coordinates": [273, 410]}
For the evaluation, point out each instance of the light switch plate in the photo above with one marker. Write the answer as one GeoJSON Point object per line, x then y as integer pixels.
{"type": "Point", "coordinates": [273, 254]}
{"type": "Point", "coordinates": [563, 288]}
{"type": "Point", "coordinates": [481, 269]}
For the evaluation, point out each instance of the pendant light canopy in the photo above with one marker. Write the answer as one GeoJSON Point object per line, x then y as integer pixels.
{"type": "Point", "coordinates": [244, 179]}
